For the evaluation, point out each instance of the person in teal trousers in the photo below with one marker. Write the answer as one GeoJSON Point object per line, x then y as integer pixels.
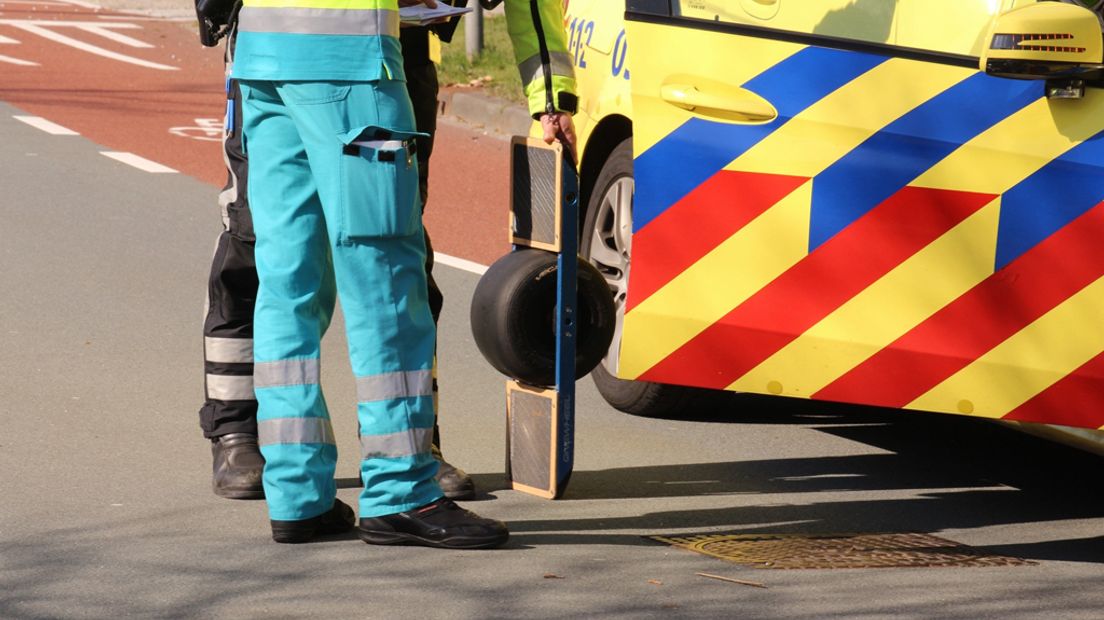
{"type": "Point", "coordinates": [329, 132]}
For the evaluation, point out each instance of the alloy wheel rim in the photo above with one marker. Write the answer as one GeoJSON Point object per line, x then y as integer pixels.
{"type": "Point", "coordinates": [610, 249]}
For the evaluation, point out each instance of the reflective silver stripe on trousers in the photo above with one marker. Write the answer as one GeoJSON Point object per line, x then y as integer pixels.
{"type": "Point", "coordinates": [286, 372]}
{"type": "Point", "coordinates": [531, 68]}
{"type": "Point", "coordinates": [319, 21]}
{"type": "Point", "coordinates": [396, 445]}
{"type": "Point", "coordinates": [230, 387]}
{"type": "Point", "coordinates": [228, 350]}
{"type": "Point", "coordinates": [294, 431]}
{"type": "Point", "coordinates": [394, 385]}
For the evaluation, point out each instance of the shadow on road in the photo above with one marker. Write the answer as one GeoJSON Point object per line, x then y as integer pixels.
{"type": "Point", "coordinates": [980, 474]}
{"type": "Point", "coordinates": [928, 513]}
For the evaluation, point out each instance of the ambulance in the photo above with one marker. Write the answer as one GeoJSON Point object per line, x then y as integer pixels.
{"type": "Point", "coordinates": [896, 203]}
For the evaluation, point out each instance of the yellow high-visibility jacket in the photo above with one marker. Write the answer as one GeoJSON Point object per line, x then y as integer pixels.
{"type": "Point", "coordinates": [540, 46]}
{"type": "Point", "coordinates": [326, 40]}
{"type": "Point", "coordinates": [359, 40]}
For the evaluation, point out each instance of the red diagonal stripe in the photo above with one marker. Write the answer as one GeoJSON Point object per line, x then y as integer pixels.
{"type": "Point", "coordinates": [806, 293]}
{"type": "Point", "coordinates": [979, 320]}
{"type": "Point", "coordinates": [698, 223]}
{"type": "Point", "coordinates": [1075, 400]}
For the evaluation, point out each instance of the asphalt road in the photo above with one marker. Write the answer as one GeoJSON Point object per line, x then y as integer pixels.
{"type": "Point", "coordinates": [107, 508]}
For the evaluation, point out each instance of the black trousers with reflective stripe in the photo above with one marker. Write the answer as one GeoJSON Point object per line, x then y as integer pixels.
{"type": "Point", "coordinates": [232, 285]}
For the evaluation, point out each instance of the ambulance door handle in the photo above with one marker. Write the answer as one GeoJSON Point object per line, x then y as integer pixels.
{"type": "Point", "coordinates": [715, 100]}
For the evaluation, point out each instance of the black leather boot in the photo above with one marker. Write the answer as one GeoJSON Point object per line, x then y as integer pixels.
{"type": "Point", "coordinates": [237, 466]}
{"type": "Point", "coordinates": [439, 524]}
{"type": "Point", "coordinates": [455, 482]}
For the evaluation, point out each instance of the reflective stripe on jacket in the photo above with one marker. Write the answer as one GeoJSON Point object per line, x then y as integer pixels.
{"type": "Point", "coordinates": [540, 46]}
{"type": "Point", "coordinates": [356, 40]}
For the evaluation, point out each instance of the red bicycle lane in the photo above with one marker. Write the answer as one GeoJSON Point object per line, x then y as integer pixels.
{"type": "Point", "coordinates": [119, 80]}
{"type": "Point", "coordinates": [145, 85]}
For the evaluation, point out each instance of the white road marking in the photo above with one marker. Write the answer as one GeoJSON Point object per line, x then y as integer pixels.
{"type": "Point", "coordinates": [15, 61]}
{"type": "Point", "coordinates": [49, 127]}
{"type": "Point", "coordinates": [152, 18]}
{"type": "Point", "coordinates": [45, 30]}
{"type": "Point", "coordinates": [459, 263]}
{"type": "Point", "coordinates": [102, 29]}
{"type": "Point", "coordinates": [140, 163]}
{"type": "Point", "coordinates": [86, 5]}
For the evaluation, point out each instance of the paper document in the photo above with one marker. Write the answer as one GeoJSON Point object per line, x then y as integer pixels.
{"type": "Point", "coordinates": [421, 15]}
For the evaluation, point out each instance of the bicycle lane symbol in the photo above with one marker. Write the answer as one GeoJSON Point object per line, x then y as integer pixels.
{"type": "Point", "coordinates": [205, 129]}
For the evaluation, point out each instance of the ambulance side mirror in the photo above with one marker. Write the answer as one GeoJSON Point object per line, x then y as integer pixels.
{"type": "Point", "coordinates": [1045, 40]}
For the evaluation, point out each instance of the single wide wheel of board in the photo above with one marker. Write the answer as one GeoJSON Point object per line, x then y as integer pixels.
{"type": "Point", "coordinates": [513, 317]}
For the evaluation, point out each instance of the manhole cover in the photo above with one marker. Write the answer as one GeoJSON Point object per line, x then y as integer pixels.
{"type": "Point", "coordinates": [839, 550]}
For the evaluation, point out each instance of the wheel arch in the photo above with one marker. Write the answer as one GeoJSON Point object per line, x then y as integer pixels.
{"type": "Point", "coordinates": [610, 132]}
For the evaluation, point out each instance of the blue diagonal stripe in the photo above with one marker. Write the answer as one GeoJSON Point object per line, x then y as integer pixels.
{"type": "Point", "coordinates": [890, 159]}
{"type": "Point", "coordinates": [699, 149]}
{"type": "Point", "coordinates": [1054, 196]}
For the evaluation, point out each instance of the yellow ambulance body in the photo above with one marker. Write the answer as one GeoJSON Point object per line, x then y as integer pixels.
{"type": "Point", "coordinates": [833, 199]}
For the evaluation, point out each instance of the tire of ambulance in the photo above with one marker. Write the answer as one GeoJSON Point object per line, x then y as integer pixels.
{"type": "Point", "coordinates": [606, 243]}
{"type": "Point", "coordinates": [513, 317]}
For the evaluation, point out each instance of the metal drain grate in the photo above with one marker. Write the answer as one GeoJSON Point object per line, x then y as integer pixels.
{"type": "Point", "coordinates": [839, 550]}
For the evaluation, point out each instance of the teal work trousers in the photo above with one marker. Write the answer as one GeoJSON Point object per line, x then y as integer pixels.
{"type": "Point", "coordinates": [334, 191]}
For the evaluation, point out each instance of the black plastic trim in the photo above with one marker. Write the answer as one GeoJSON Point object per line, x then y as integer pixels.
{"type": "Point", "coordinates": [546, 57]}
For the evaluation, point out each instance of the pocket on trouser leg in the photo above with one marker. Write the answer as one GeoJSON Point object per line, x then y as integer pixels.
{"type": "Point", "coordinates": [379, 183]}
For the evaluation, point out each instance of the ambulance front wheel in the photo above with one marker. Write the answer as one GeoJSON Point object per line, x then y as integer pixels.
{"type": "Point", "coordinates": [513, 317]}
{"type": "Point", "coordinates": [607, 243]}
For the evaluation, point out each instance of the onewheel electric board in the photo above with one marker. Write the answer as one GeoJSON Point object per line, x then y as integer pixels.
{"type": "Point", "coordinates": [540, 422]}
{"type": "Point", "coordinates": [543, 317]}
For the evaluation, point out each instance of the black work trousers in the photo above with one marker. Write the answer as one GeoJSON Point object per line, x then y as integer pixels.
{"type": "Point", "coordinates": [229, 405]}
